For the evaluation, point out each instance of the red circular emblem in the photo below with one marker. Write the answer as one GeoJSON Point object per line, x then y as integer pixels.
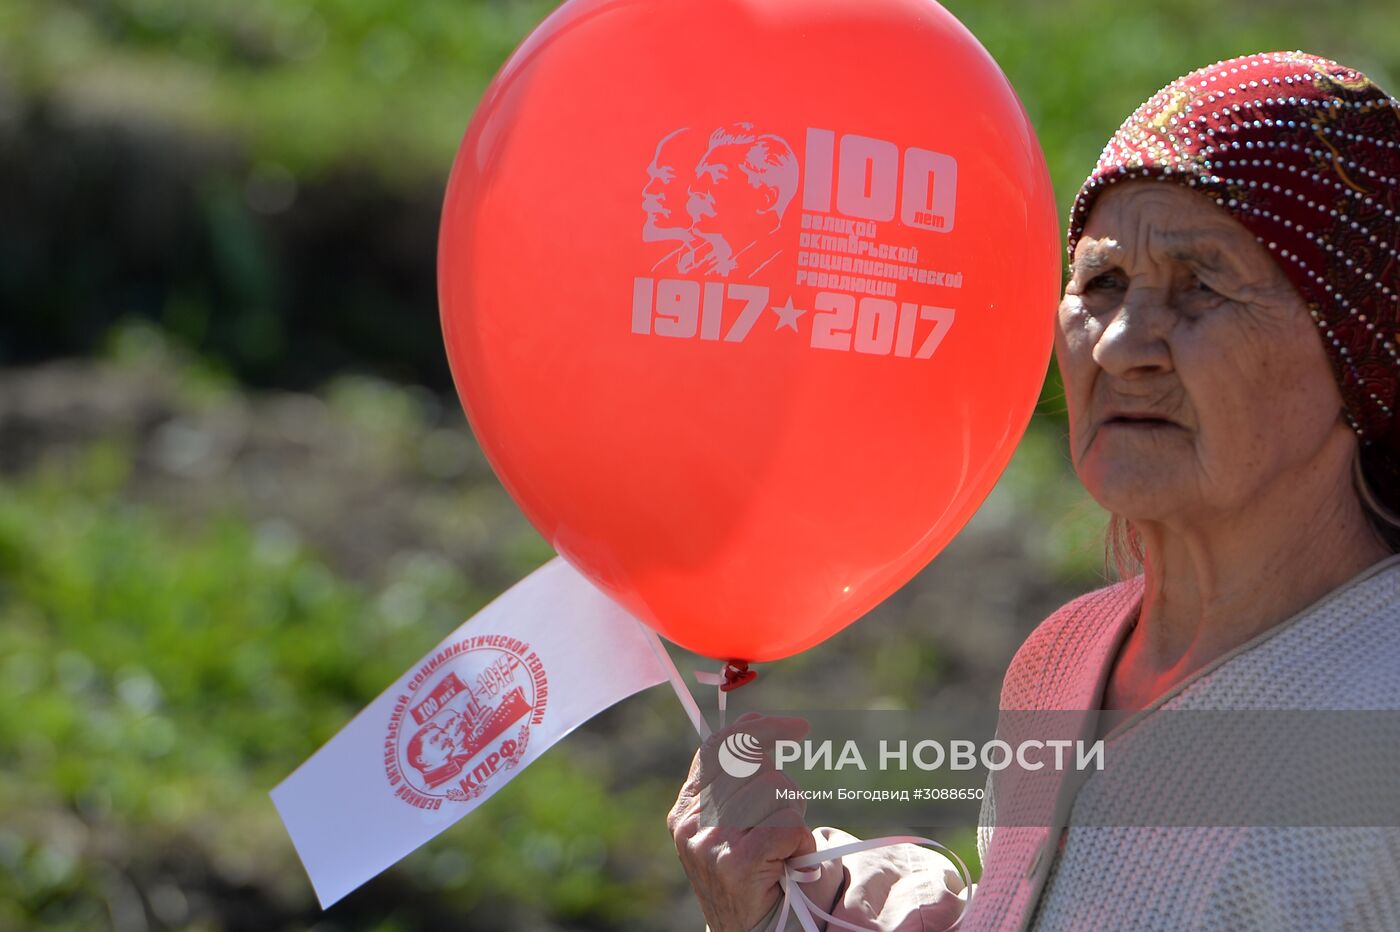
{"type": "Point", "coordinates": [462, 718]}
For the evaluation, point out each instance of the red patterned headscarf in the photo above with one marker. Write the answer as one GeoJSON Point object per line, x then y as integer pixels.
{"type": "Point", "coordinates": [1305, 153]}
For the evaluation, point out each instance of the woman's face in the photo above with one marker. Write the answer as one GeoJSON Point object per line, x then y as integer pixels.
{"type": "Point", "coordinates": [1193, 372]}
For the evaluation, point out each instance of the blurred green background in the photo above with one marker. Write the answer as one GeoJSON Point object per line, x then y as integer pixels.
{"type": "Point", "coordinates": [237, 497]}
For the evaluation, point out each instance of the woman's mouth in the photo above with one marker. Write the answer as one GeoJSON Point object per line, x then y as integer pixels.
{"type": "Point", "coordinates": [1139, 422]}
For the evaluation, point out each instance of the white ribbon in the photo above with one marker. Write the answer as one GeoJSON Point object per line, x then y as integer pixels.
{"type": "Point", "coordinates": [803, 868]}
{"type": "Point", "coordinates": [682, 691]}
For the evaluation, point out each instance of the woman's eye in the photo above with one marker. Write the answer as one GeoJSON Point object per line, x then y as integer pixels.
{"type": "Point", "coordinates": [1108, 281]}
{"type": "Point", "coordinates": [1201, 287]}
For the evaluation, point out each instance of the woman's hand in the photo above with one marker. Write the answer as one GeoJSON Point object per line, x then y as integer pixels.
{"type": "Point", "coordinates": [733, 835]}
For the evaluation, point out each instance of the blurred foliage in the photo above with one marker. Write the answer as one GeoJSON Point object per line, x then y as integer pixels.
{"type": "Point", "coordinates": [306, 85]}
{"type": "Point", "coordinates": [156, 683]}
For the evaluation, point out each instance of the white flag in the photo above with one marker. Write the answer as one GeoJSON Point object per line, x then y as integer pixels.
{"type": "Point", "coordinates": [542, 659]}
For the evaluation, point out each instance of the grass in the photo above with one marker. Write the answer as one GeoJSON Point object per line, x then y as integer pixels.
{"type": "Point", "coordinates": [157, 682]}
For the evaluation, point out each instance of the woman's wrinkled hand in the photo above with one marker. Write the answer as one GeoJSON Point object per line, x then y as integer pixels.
{"type": "Point", "coordinates": [733, 834]}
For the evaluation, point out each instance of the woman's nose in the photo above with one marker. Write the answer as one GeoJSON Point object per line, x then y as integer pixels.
{"type": "Point", "coordinates": [1134, 340]}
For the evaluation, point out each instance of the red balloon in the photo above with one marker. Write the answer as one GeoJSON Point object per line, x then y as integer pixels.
{"type": "Point", "coordinates": [749, 301]}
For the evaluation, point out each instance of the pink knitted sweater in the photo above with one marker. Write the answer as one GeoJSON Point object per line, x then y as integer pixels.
{"type": "Point", "coordinates": [1341, 653]}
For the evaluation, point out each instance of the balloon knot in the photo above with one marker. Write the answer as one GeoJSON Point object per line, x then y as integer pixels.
{"type": "Point", "coordinates": [736, 673]}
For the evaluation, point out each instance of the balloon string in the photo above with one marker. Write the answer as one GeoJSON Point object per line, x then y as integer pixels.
{"type": "Point", "coordinates": [803, 869]}
{"type": "Point", "coordinates": [731, 676]}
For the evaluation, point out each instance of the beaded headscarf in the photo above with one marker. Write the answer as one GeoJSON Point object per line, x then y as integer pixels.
{"type": "Point", "coordinates": [1305, 153]}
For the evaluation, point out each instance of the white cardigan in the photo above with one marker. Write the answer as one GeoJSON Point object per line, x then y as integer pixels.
{"type": "Point", "coordinates": [1341, 653]}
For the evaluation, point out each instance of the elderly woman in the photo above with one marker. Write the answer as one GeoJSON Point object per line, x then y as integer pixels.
{"type": "Point", "coordinates": [1228, 346]}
